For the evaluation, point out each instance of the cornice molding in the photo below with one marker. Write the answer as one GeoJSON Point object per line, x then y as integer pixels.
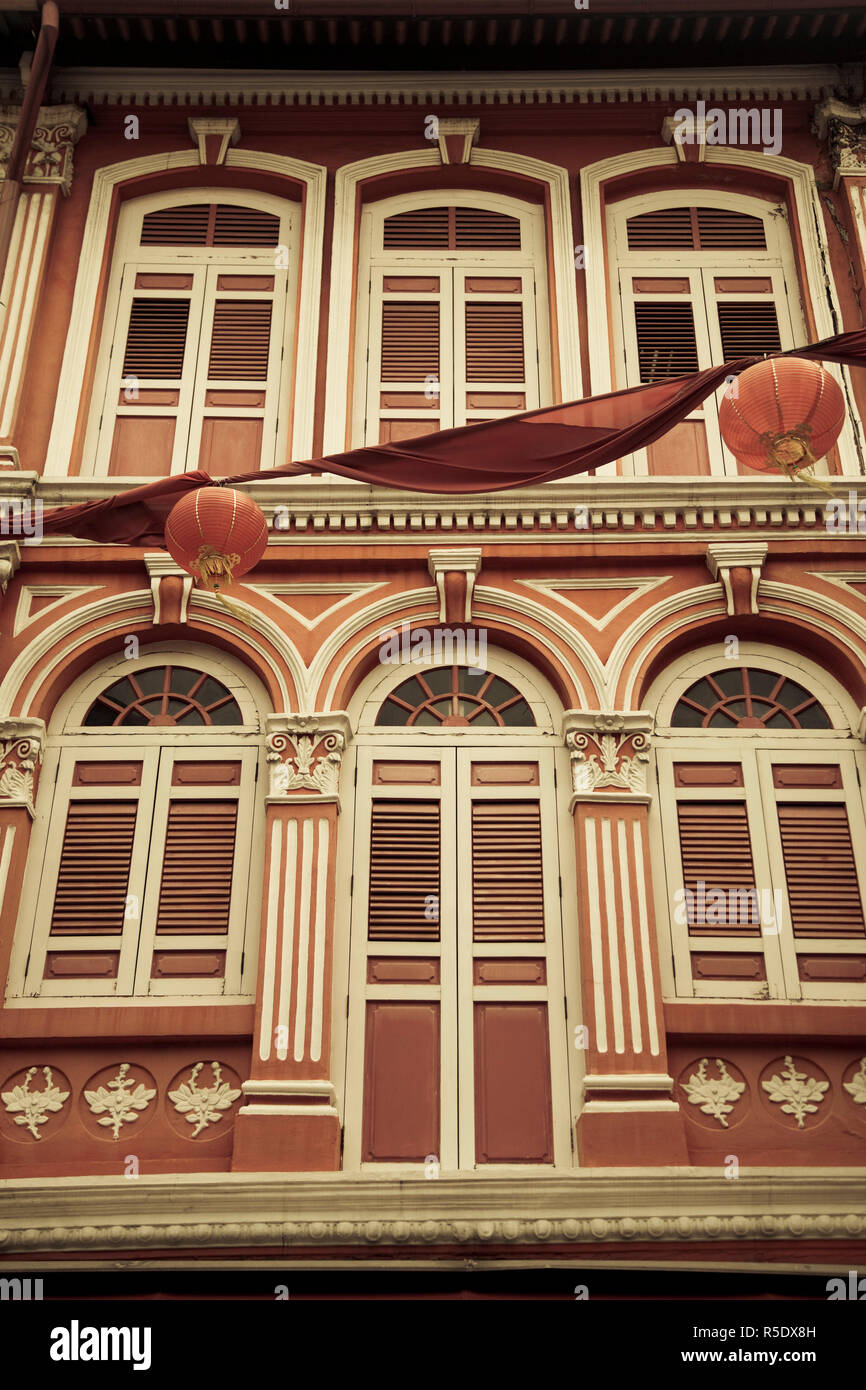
{"type": "Point", "coordinates": [216, 87]}
{"type": "Point", "coordinates": [633, 507]}
{"type": "Point", "coordinates": [286, 1210]}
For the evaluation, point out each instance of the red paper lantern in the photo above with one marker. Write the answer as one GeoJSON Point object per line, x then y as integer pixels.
{"type": "Point", "coordinates": [216, 534]}
{"type": "Point", "coordinates": [782, 415]}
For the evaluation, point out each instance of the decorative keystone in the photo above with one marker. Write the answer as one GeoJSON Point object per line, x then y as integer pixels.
{"type": "Point", "coordinates": [170, 586]}
{"type": "Point", "coordinates": [456, 138]}
{"type": "Point", "coordinates": [213, 135]}
{"type": "Point", "coordinates": [454, 573]}
{"type": "Point", "coordinates": [738, 567]}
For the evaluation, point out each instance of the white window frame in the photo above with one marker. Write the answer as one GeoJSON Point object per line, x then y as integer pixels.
{"type": "Point", "coordinates": [204, 263]}
{"type": "Point", "coordinates": [776, 263]}
{"type": "Point", "coordinates": [72, 741]}
{"type": "Point", "coordinates": [529, 263]}
{"type": "Point", "coordinates": [756, 751]}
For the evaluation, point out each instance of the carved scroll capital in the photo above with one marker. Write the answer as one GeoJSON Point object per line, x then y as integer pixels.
{"type": "Point", "coordinates": [305, 753]}
{"type": "Point", "coordinates": [608, 751]}
{"type": "Point", "coordinates": [22, 742]}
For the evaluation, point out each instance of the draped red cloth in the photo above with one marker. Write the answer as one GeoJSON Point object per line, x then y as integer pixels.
{"type": "Point", "coordinates": [520, 451]}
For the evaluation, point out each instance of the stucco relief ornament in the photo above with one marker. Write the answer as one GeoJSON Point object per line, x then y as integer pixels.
{"type": "Point", "coordinates": [202, 1104]}
{"type": "Point", "coordinates": [17, 769]}
{"type": "Point", "coordinates": [305, 762]}
{"type": "Point", "coordinates": [606, 766]}
{"type": "Point", "coordinates": [120, 1099]}
{"type": "Point", "coordinates": [856, 1087]}
{"type": "Point", "coordinates": [715, 1097]}
{"type": "Point", "coordinates": [32, 1108]}
{"type": "Point", "coordinates": [795, 1091]}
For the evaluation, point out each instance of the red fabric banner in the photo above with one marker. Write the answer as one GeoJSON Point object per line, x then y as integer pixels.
{"type": "Point", "coordinates": [520, 451]}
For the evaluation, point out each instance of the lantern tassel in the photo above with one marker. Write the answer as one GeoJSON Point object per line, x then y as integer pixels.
{"type": "Point", "coordinates": [791, 452]}
{"type": "Point", "coordinates": [215, 567]}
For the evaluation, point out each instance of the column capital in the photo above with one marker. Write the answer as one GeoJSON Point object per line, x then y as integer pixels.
{"type": "Point", "coordinates": [21, 745]}
{"type": "Point", "coordinates": [58, 130]}
{"type": "Point", "coordinates": [305, 752]}
{"type": "Point", "coordinates": [10, 559]}
{"type": "Point", "coordinates": [608, 751]}
{"type": "Point", "coordinates": [843, 126]}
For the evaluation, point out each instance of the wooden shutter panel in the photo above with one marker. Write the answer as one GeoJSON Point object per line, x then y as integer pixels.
{"type": "Point", "coordinates": [93, 879]}
{"type": "Point", "coordinates": [494, 342]}
{"type": "Point", "coordinates": [204, 224]}
{"type": "Point", "coordinates": [723, 229]}
{"type": "Point", "coordinates": [717, 853]}
{"type": "Point", "coordinates": [404, 870]}
{"type": "Point", "coordinates": [241, 226]}
{"type": "Point", "coordinates": [156, 338]}
{"type": "Point", "coordinates": [696, 229]}
{"type": "Point", "coordinates": [477, 228]}
{"type": "Point", "coordinates": [198, 859]}
{"type": "Point", "coordinates": [666, 342]}
{"type": "Point", "coordinates": [181, 226]}
{"type": "Point", "coordinates": [410, 340]}
{"type": "Point", "coordinates": [820, 870]}
{"type": "Point", "coordinates": [240, 340]}
{"type": "Point", "coordinates": [424, 227]}
{"type": "Point", "coordinates": [748, 330]}
{"type": "Point", "coordinates": [662, 228]}
{"type": "Point", "coordinates": [507, 878]}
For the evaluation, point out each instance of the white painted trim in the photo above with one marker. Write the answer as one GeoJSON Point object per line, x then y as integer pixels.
{"type": "Point", "coordinates": [665, 1206]}
{"type": "Point", "coordinates": [94, 252]}
{"type": "Point", "coordinates": [816, 254]}
{"type": "Point", "coordinates": [218, 87]}
{"type": "Point", "coordinates": [343, 290]}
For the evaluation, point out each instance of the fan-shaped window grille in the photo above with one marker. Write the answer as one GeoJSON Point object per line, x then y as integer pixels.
{"type": "Point", "coordinates": [164, 696]}
{"type": "Point", "coordinates": [456, 695]}
{"type": "Point", "coordinates": [745, 698]}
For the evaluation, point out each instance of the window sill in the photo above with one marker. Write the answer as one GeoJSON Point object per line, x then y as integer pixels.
{"type": "Point", "coordinates": [793, 1018]}
{"type": "Point", "coordinates": [157, 1019]}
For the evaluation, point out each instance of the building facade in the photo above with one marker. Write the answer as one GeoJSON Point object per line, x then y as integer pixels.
{"type": "Point", "coordinates": [491, 885]}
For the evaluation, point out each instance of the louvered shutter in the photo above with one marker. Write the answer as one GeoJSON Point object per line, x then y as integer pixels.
{"type": "Point", "coordinates": [156, 339]}
{"type": "Point", "coordinates": [507, 876]}
{"type": "Point", "coordinates": [198, 858]}
{"type": "Point", "coordinates": [695, 229]}
{"type": "Point", "coordinates": [404, 871]}
{"type": "Point", "coordinates": [238, 377]}
{"type": "Point", "coordinates": [820, 871]}
{"type": "Point", "coordinates": [666, 345]}
{"type": "Point", "coordinates": [748, 330]}
{"type": "Point", "coordinates": [224, 224]}
{"type": "Point", "coordinates": [716, 855]}
{"type": "Point", "coordinates": [150, 384]}
{"type": "Point", "coordinates": [192, 926]}
{"type": "Point", "coordinates": [410, 365]}
{"type": "Point", "coordinates": [451, 228]}
{"type": "Point", "coordinates": [240, 340]}
{"type": "Point", "coordinates": [92, 855]}
{"type": "Point", "coordinates": [95, 864]}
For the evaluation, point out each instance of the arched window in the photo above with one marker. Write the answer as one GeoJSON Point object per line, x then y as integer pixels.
{"type": "Point", "coordinates": [193, 362]}
{"type": "Point", "coordinates": [456, 1028]}
{"type": "Point", "coordinates": [140, 860]}
{"type": "Point", "coordinates": [700, 278]}
{"type": "Point", "coordinates": [763, 829]}
{"type": "Point", "coordinates": [453, 324]}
